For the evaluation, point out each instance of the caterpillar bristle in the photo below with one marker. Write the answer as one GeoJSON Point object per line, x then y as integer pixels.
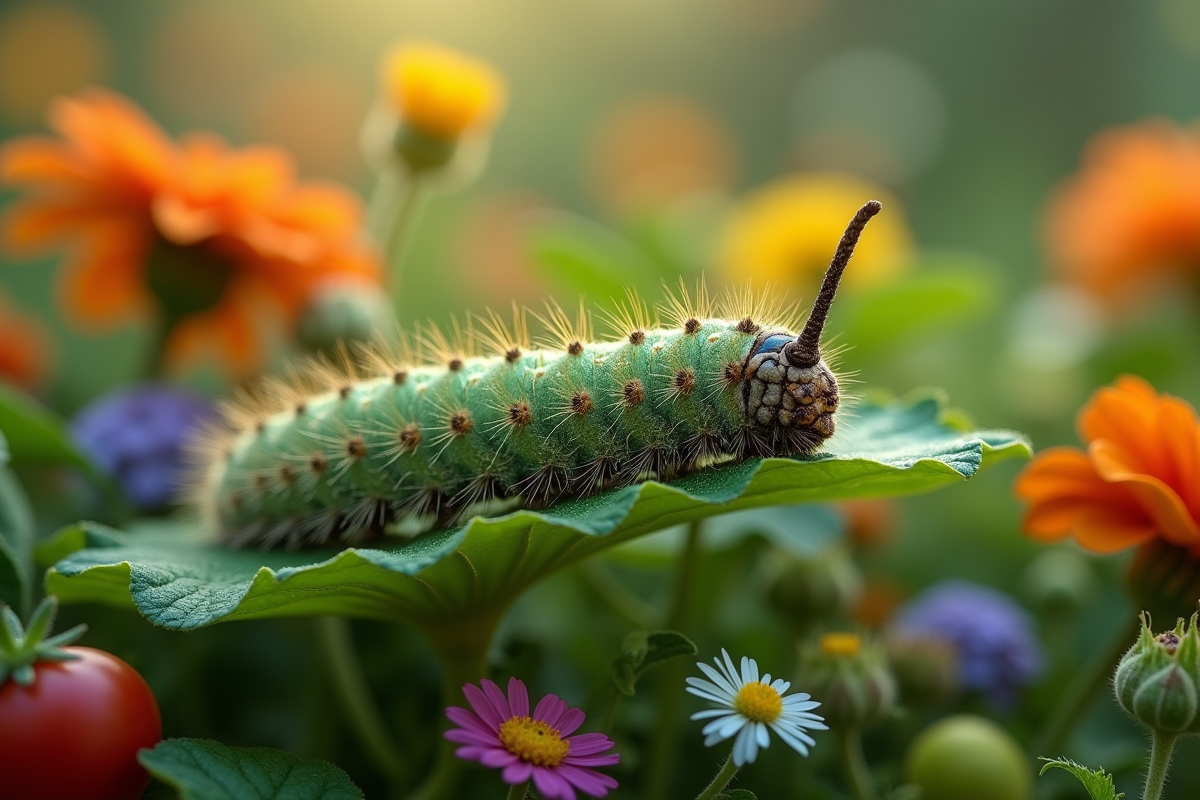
{"type": "Point", "coordinates": [502, 338]}
{"type": "Point", "coordinates": [683, 308]}
{"type": "Point", "coordinates": [629, 320]}
{"type": "Point", "coordinates": [563, 333]}
{"type": "Point", "coordinates": [434, 346]}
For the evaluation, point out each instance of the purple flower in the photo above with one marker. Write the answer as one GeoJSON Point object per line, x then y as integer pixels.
{"type": "Point", "coordinates": [137, 435]}
{"type": "Point", "coordinates": [991, 635]}
{"type": "Point", "coordinates": [503, 735]}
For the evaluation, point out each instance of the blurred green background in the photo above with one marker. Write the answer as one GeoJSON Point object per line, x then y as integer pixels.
{"type": "Point", "coordinates": [970, 114]}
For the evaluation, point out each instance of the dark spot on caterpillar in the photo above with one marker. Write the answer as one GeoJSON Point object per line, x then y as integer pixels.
{"type": "Point", "coordinates": [632, 393]}
{"type": "Point", "coordinates": [344, 391]}
{"type": "Point", "coordinates": [731, 374]}
{"type": "Point", "coordinates": [287, 475]}
{"type": "Point", "coordinates": [356, 447]}
{"type": "Point", "coordinates": [409, 436]}
{"type": "Point", "coordinates": [455, 364]}
{"type": "Point", "coordinates": [512, 354]}
{"type": "Point", "coordinates": [399, 377]}
{"type": "Point", "coordinates": [318, 464]}
{"type": "Point", "coordinates": [460, 423]}
{"type": "Point", "coordinates": [746, 325]}
{"type": "Point", "coordinates": [637, 337]}
{"type": "Point", "coordinates": [235, 501]}
{"type": "Point", "coordinates": [260, 426]}
{"type": "Point", "coordinates": [519, 414]}
{"type": "Point", "coordinates": [301, 408]}
{"type": "Point", "coordinates": [685, 381]}
{"type": "Point", "coordinates": [581, 403]}
{"type": "Point", "coordinates": [261, 482]}
{"type": "Point", "coordinates": [575, 348]}
{"type": "Point", "coordinates": [691, 325]}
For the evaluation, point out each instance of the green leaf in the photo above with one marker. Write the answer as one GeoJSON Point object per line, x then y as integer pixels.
{"type": "Point", "coordinates": [180, 581]}
{"type": "Point", "coordinates": [1099, 784]}
{"type": "Point", "coordinates": [35, 434]}
{"type": "Point", "coordinates": [579, 257]}
{"type": "Point", "coordinates": [16, 544]}
{"type": "Point", "coordinates": [737, 794]}
{"type": "Point", "coordinates": [944, 292]}
{"type": "Point", "coordinates": [642, 650]}
{"type": "Point", "coordinates": [199, 769]}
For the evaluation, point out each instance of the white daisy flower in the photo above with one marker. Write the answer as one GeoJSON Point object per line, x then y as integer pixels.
{"type": "Point", "coordinates": [749, 705]}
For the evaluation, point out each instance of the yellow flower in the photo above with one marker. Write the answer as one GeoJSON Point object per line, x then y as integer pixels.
{"type": "Point", "coordinates": [786, 232]}
{"type": "Point", "coordinates": [440, 92]}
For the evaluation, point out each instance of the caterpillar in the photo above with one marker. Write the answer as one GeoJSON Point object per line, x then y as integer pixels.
{"type": "Point", "coordinates": [394, 448]}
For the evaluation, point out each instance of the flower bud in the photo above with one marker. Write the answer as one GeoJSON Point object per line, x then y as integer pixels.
{"type": "Point", "coordinates": [925, 668]}
{"type": "Point", "coordinates": [1156, 679]}
{"type": "Point", "coordinates": [344, 311]}
{"type": "Point", "coordinates": [851, 679]}
{"type": "Point", "coordinates": [814, 591]}
{"type": "Point", "coordinates": [1059, 582]}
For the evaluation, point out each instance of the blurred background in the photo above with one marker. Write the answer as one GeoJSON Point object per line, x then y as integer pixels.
{"type": "Point", "coordinates": [727, 138]}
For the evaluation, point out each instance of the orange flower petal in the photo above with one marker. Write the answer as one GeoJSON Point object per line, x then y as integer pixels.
{"type": "Point", "coordinates": [1159, 501]}
{"type": "Point", "coordinates": [1062, 486]}
{"type": "Point", "coordinates": [183, 223]}
{"type": "Point", "coordinates": [37, 161]}
{"type": "Point", "coordinates": [1105, 530]}
{"type": "Point", "coordinates": [32, 227]}
{"type": "Point", "coordinates": [1126, 414]}
{"type": "Point", "coordinates": [102, 284]}
{"type": "Point", "coordinates": [1179, 437]}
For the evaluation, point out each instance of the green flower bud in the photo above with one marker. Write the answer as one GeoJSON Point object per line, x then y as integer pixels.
{"type": "Point", "coordinates": [811, 592]}
{"type": "Point", "coordinates": [965, 757]}
{"type": "Point", "coordinates": [850, 678]}
{"type": "Point", "coordinates": [1156, 679]}
{"type": "Point", "coordinates": [925, 668]}
{"type": "Point", "coordinates": [1059, 581]}
{"type": "Point", "coordinates": [344, 311]}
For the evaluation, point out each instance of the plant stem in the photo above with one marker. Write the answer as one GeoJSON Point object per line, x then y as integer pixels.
{"type": "Point", "coordinates": [856, 766]}
{"type": "Point", "coordinates": [728, 770]}
{"type": "Point", "coordinates": [518, 791]}
{"type": "Point", "coordinates": [351, 687]}
{"type": "Point", "coordinates": [666, 732]}
{"type": "Point", "coordinates": [462, 647]}
{"type": "Point", "coordinates": [613, 593]}
{"type": "Point", "coordinates": [405, 208]}
{"type": "Point", "coordinates": [1161, 748]}
{"type": "Point", "coordinates": [1082, 691]}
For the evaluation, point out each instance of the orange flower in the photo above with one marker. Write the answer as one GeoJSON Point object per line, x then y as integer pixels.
{"type": "Point", "coordinates": [1133, 213]}
{"type": "Point", "coordinates": [441, 92]}
{"type": "Point", "coordinates": [1138, 480]}
{"type": "Point", "coordinates": [24, 348]}
{"type": "Point", "coordinates": [214, 237]}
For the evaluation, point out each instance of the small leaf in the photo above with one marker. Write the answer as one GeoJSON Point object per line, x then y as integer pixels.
{"type": "Point", "coordinates": [16, 544]}
{"type": "Point", "coordinates": [199, 769]}
{"type": "Point", "coordinates": [183, 581]}
{"type": "Point", "coordinates": [35, 434]}
{"type": "Point", "coordinates": [642, 650]}
{"type": "Point", "coordinates": [1099, 784]}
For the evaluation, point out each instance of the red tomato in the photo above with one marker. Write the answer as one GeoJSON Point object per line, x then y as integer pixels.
{"type": "Point", "coordinates": [75, 733]}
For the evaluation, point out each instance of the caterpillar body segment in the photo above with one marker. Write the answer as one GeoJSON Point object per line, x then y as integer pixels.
{"type": "Point", "coordinates": [411, 448]}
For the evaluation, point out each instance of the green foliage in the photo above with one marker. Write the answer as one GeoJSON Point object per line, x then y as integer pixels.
{"type": "Point", "coordinates": [581, 258]}
{"type": "Point", "coordinates": [199, 769]}
{"type": "Point", "coordinates": [181, 581]}
{"type": "Point", "coordinates": [1099, 784]}
{"type": "Point", "coordinates": [642, 650]}
{"type": "Point", "coordinates": [35, 434]}
{"type": "Point", "coordinates": [16, 542]}
{"type": "Point", "coordinates": [737, 794]}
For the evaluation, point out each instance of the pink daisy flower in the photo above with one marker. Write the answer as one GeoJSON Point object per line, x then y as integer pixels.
{"type": "Point", "coordinates": [502, 734]}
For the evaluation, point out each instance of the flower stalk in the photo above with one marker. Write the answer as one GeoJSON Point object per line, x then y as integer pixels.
{"type": "Point", "coordinates": [721, 780]}
{"type": "Point", "coordinates": [1161, 748]}
{"type": "Point", "coordinates": [855, 765]}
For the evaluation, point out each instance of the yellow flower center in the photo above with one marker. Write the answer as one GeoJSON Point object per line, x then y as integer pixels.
{"type": "Point", "coordinates": [758, 702]}
{"type": "Point", "coordinates": [841, 644]}
{"type": "Point", "coordinates": [533, 741]}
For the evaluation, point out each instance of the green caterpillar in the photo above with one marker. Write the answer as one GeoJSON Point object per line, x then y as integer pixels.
{"type": "Point", "coordinates": [344, 459]}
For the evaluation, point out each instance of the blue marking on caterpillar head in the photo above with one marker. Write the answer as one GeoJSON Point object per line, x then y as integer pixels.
{"type": "Point", "coordinates": [774, 343]}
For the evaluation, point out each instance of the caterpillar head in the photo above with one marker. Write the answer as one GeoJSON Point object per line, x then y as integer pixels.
{"type": "Point", "coordinates": [788, 391]}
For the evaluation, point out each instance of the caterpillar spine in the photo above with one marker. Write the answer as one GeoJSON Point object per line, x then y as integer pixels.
{"type": "Point", "coordinates": [346, 453]}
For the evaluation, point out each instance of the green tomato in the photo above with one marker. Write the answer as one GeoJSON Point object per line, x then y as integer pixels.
{"type": "Point", "coordinates": [969, 757]}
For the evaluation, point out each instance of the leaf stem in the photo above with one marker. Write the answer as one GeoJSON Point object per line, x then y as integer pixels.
{"type": "Point", "coordinates": [722, 779]}
{"type": "Point", "coordinates": [518, 791]}
{"type": "Point", "coordinates": [859, 777]}
{"type": "Point", "coordinates": [613, 593]}
{"type": "Point", "coordinates": [350, 684]}
{"type": "Point", "coordinates": [1082, 691]}
{"type": "Point", "coordinates": [666, 733]}
{"type": "Point", "coordinates": [1161, 747]}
